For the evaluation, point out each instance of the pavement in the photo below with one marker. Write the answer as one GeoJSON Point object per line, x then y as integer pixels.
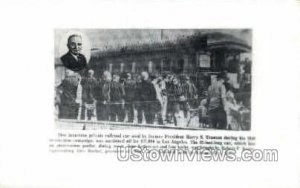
{"type": "Point", "coordinates": [68, 124]}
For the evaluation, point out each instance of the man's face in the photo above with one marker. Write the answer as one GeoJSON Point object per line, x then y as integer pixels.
{"type": "Point", "coordinates": [222, 81]}
{"type": "Point", "coordinates": [106, 76]}
{"type": "Point", "coordinates": [144, 76]}
{"type": "Point", "coordinates": [116, 78]}
{"type": "Point", "coordinates": [75, 45]}
{"type": "Point", "coordinates": [69, 73]}
{"type": "Point", "coordinates": [90, 74]}
{"type": "Point", "coordinates": [175, 81]}
{"type": "Point", "coordinates": [213, 79]}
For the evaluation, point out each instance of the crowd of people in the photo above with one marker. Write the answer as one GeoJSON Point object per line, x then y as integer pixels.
{"type": "Point", "coordinates": [151, 99]}
{"type": "Point", "coordinates": [116, 97]}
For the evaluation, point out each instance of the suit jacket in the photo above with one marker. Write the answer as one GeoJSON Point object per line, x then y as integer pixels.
{"type": "Point", "coordinates": [69, 90]}
{"type": "Point", "coordinates": [71, 63]}
{"type": "Point", "coordinates": [117, 92]}
{"type": "Point", "coordinates": [88, 89]}
{"type": "Point", "coordinates": [145, 92]}
{"type": "Point", "coordinates": [129, 87]}
{"type": "Point", "coordinates": [102, 91]}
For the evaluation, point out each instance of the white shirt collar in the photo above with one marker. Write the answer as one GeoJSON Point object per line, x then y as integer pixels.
{"type": "Point", "coordinates": [75, 56]}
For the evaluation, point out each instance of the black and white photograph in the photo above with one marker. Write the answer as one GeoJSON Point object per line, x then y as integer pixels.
{"type": "Point", "coordinates": [153, 78]}
{"type": "Point", "coordinates": [150, 94]}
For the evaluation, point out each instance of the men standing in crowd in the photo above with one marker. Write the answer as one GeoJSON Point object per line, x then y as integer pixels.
{"type": "Point", "coordinates": [88, 95]}
{"type": "Point", "coordinates": [117, 94]}
{"type": "Point", "coordinates": [216, 102]}
{"type": "Point", "coordinates": [145, 96]}
{"type": "Point", "coordinates": [68, 107]}
{"type": "Point", "coordinates": [103, 97]}
{"type": "Point", "coordinates": [73, 59]}
{"type": "Point", "coordinates": [130, 87]}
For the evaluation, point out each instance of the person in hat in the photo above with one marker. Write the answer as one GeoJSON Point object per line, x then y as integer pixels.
{"type": "Point", "coordinates": [216, 102]}
{"type": "Point", "coordinates": [190, 93]}
{"type": "Point", "coordinates": [175, 96]}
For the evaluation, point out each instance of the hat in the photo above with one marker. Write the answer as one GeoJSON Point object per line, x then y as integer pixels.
{"type": "Point", "coordinates": [222, 75]}
{"type": "Point", "coordinates": [186, 77]}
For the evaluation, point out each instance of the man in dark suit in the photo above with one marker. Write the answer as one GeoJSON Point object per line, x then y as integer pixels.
{"type": "Point", "coordinates": [67, 93]}
{"type": "Point", "coordinates": [74, 60]}
{"type": "Point", "coordinates": [145, 97]}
